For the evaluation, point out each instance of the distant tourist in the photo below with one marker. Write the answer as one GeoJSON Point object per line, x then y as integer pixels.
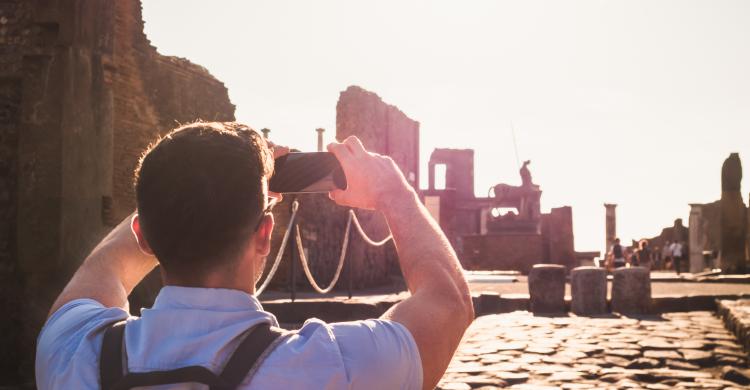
{"type": "Point", "coordinates": [676, 249]}
{"type": "Point", "coordinates": [666, 255]}
{"type": "Point", "coordinates": [645, 256]}
{"type": "Point", "coordinates": [617, 254]}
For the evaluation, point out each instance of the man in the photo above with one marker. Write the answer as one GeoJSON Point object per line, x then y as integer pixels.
{"type": "Point", "coordinates": [676, 249]}
{"type": "Point", "coordinates": [617, 254]}
{"type": "Point", "coordinates": [204, 215]}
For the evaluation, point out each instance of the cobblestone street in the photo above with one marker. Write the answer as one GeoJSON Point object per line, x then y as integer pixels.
{"type": "Point", "coordinates": [674, 350]}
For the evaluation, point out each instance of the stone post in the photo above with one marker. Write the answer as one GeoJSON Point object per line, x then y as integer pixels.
{"type": "Point", "coordinates": [733, 217]}
{"type": "Point", "coordinates": [696, 234]}
{"type": "Point", "coordinates": [547, 288]}
{"type": "Point", "coordinates": [631, 291]}
{"type": "Point", "coordinates": [588, 287]}
{"type": "Point", "coordinates": [320, 138]}
{"type": "Point", "coordinates": [265, 132]}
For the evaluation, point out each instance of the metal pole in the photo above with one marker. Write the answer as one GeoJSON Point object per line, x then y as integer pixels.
{"type": "Point", "coordinates": [349, 276]}
{"type": "Point", "coordinates": [292, 262]}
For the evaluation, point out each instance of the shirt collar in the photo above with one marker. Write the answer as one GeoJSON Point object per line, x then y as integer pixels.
{"type": "Point", "coordinates": [215, 299]}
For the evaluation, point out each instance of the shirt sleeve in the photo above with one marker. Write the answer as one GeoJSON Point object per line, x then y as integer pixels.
{"type": "Point", "coordinates": [72, 335]}
{"type": "Point", "coordinates": [379, 353]}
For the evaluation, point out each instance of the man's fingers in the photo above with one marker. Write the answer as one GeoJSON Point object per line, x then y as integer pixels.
{"type": "Point", "coordinates": [355, 145]}
{"type": "Point", "coordinates": [342, 153]}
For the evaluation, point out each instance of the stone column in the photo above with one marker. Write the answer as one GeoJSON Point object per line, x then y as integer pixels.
{"type": "Point", "coordinates": [320, 138]}
{"type": "Point", "coordinates": [696, 235]}
{"type": "Point", "coordinates": [631, 291]}
{"type": "Point", "coordinates": [588, 287]}
{"type": "Point", "coordinates": [547, 288]}
{"type": "Point", "coordinates": [733, 217]}
{"type": "Point", "coordinates": [610, 226]}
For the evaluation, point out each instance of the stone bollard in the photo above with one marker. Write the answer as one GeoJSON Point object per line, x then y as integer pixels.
{"type": "Point", "coordinates": [588, 287]}
{"type": "Point", "coordinates": [547, 288]}
{"type": "Point", "coordinates": [631, 291]}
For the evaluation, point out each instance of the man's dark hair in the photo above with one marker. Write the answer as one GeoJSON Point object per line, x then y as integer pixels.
{"type": "Point", "coordinates": [199, 191]}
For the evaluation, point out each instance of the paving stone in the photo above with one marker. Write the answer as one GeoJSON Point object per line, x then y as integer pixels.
{"type": "Point", "coordinates": [730, 352]}
{"type": "Point", "coordinates": [616, 361]}
{"type": "Point", "coordinates": [512, 377]}
{"type": "Point", "coordinates": [680, 365]}
{"type": "Point", "coordinates": [736, 375]}
{"type": "Point", "coordinates": [626, 353]}
{"type": "Point", "coordinates": [658, 386]}
{"type": "Point", "coordinates": [693, 344]}
{"type": "Point", "coordinates": [540, 350]}
{"type": "Point", "coordinates": [697, 356]}
{"type": "Point", "coordinates": [656, 343]}
{"type": "Point", "coordinates": [662, 354]}
{"type": "Point", "coordinates": [643, 363]}
{"type": "Point", "coordinates": [666, 373]}
{"type": "Point", "coordinates": [454, 386]}
{"type": "Point", "coordinates": [565, 376]}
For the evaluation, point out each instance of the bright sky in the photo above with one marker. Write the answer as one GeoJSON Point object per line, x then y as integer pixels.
{"type": "Point", "coordinates": [630, 102]}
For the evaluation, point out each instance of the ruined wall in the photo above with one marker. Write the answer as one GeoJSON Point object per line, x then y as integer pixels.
{"type": "Point", "coordinates": [503, 251]}
{"type": "Point", "coordinates": [459, 170]}
{"type": "Point", "coordinates": [82, 91]}
{"type": "Point", "coordinates": [557, 233]}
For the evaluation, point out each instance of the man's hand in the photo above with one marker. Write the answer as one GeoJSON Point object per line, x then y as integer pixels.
{"type": "Point", "coordinates": [373, 180]}
{"type": "Point", "coordinates": [277, 151]}
{"type": "Point", "coordinates": [440, 308]}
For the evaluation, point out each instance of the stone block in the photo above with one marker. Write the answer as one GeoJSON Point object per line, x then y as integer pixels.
{"type": "Point", "coordinates": [631, 291]}
{"type": "Point", "coordinates": [547, 288]}
{"type": "Point", "coordinates": [588, 287]}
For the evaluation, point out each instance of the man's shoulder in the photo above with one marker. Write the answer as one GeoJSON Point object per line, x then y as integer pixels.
{"type": "Point", "coordinates": [71, 336]}
{"type": "Point", "coordinates": [363, 354]}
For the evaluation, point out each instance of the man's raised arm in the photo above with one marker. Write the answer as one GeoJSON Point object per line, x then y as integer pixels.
{"type": "Point", "coordinates": [440, 308]}
{"type": "Point", "coordinates": [111, 271]}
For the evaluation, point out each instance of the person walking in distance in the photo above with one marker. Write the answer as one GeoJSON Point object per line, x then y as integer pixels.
{"type": "Point", "coordinates": [676, 249]}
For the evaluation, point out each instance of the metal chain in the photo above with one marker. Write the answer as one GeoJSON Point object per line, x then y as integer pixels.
{"type": "Point", "coordinates": [339, 267]}
{"type": "Point", "coordinates": [280, 253]}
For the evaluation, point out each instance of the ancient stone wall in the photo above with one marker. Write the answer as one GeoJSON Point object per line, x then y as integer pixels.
{"type": "Point", "coordinates": [81, 93]}
{"type": "Point", "coordinates": [503, 251]}
{"type": "Point", "coordinates": [557, 231]}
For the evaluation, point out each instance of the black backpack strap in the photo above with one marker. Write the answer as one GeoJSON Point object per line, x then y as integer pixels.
{"type": "Point", "coordinates": [246, 359]}
{"type": "Point", "coordinates": [244, 362]}
{"type": "Point", "coordinates": [110, 360]}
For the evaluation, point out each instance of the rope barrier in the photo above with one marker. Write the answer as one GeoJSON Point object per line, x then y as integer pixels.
{"type": "Point", "coordinates": [280, 253]}
{"type": "Point", "coordinates": [339, 267]}
{"type": "Point", "coordinates": [303, 257]}
{"type": "Point", "coordinates": [364, 235]}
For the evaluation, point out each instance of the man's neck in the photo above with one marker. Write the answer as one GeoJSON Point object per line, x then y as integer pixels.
{"type": "Point", "coordinates": [227, 280]}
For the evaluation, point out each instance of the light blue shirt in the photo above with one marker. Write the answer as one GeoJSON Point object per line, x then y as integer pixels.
{"type": "Point", "coordinates": [200, 326]}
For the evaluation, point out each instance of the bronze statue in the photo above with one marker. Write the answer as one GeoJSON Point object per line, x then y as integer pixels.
{"type": "Point", "coordinates": [526, 175]}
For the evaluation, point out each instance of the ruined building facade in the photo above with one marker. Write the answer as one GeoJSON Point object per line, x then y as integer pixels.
{"type": "Point", "coordinates": [82, 93]}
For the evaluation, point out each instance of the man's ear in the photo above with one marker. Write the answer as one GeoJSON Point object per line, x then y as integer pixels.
{"type": "Point", "coordinates": [262, 236]}
{"type": "Point", "coordinates": [135, 227]}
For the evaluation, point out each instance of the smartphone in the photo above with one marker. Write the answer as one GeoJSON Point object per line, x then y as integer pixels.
{"type": "Point", "coordinates": [302, 173]}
